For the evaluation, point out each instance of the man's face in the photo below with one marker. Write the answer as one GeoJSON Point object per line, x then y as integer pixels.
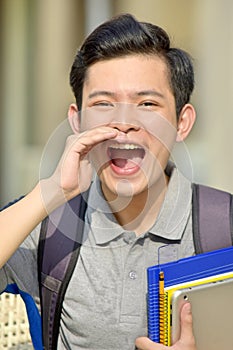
{"type": "Point", "coordinates": [131, 94]}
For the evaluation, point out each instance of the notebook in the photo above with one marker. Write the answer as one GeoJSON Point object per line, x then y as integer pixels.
{"type": "Point", "coordinates": [166, 319]}
{"type": "Point", "coordinates": [191, 270]}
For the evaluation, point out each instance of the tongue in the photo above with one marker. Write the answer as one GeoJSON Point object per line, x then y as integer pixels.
{"type": "Point", "coordinates": [123, 163]}
{"type": "Point", "coordinates": [126, 158]}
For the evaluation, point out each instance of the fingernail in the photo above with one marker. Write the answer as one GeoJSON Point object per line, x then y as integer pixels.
{"type": "Point", "coordinates": [189, 308]}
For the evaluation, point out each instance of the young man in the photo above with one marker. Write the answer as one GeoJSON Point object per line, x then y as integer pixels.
{"type": "Point", "coordinates": [132, 95]}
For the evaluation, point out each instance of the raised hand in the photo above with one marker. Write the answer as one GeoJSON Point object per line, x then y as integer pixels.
{"type": "Point", "coordinates": [74, 172]}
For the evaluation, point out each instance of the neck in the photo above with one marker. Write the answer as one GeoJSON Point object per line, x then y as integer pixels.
{"type": "Point", "coordinates": [138, 213]}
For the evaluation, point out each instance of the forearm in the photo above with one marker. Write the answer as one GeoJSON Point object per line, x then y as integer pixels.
{"type": "Point", "coordinates": [72, 176]}
{"type": "Point", "coordinates": [18, 220]}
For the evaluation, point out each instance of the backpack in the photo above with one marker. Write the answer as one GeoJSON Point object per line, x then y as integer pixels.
{"type": "Point", "coordinates": [58, 252]}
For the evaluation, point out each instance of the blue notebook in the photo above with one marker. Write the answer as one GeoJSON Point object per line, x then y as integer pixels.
{"type": "Point", "coordinates": [181, 271]}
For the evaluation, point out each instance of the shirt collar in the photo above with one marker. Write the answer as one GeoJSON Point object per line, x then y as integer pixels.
{"type": "Point", "coordinates": [176, 208]}
{"type": "Point", "coordinates": [102, 222]}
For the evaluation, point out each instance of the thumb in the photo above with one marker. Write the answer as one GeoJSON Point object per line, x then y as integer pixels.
{"type": "Point", "coordinates": [144, 343]}
{"type": "Point", "coordinates": [186, 336]}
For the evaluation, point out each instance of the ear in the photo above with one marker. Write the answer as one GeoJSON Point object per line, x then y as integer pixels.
{"type": "Point", "coordinates": [73, 117]}
{"type": "Point", "coordinates": [185, 123]}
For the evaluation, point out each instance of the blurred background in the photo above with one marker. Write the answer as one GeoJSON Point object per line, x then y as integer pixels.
{"type": "Point", "coordinates": [38, 40]}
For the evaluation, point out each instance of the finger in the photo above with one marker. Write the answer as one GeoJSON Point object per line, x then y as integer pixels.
{"type": "Point", "coordinates": [144, 343]}
{"type": "Point", "coordinates": [84, 142]}
{"type": "Point", "coordinates": [88, 142]}
{"type": "Point", "coordinates": [186, 335]}
{"type": "Point", "coordinates": [102, 130]}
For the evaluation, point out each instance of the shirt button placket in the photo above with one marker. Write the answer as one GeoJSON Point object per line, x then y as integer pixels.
{"type": "Point", "coordinates": [133, 287]}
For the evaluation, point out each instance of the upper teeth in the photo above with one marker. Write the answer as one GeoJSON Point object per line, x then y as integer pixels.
{"type": "Point", "coordinates": [125, 146]}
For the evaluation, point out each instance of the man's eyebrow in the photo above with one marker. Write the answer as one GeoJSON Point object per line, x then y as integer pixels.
{"type": "Point", "coordinates": [150, 92]}
{"type": "Point", "coordinates": [101, 93]}
{"type": "Point", "coordinates": [133, 94]}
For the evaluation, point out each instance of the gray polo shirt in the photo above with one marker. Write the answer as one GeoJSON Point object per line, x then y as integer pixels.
{"type": "Point", "coordinates": [105, 303]}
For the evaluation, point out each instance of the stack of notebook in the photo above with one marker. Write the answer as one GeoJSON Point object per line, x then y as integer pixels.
{"type": "Point", "coordinates": [206, 281]}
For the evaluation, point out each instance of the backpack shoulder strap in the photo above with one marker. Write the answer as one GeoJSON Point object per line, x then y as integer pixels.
{"type": "Point", "coordinates": [58, 251]}
{"type": "Point", "coordinates": [212, 218]}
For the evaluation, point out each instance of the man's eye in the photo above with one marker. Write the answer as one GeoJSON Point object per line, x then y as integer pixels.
{"type": "Point", "coordinates": [103, 104]}
{"type": "Point", "coordinates": [148, 104]}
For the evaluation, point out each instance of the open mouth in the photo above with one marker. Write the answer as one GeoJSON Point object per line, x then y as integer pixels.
{"type": "Point", "coordinates": [125, 158]}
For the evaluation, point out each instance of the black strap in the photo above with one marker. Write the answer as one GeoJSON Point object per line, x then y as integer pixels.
{"type": "Point", "coordinates": [212, 218]}
{"type": "Point", "coordinates": [58, 251]}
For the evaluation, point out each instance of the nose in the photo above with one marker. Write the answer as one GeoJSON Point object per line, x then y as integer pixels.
{"type": "Point", "coordinates": [124, 127]}
{"type": "Point", "coordinates": [124, 118]}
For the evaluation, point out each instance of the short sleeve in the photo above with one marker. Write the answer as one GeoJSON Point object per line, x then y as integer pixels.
{"type": "Point", "coordinates": [21, 268]}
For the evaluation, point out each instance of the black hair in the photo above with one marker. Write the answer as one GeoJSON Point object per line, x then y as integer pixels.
{"type": "Point", "coordinates": [124, 35]}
